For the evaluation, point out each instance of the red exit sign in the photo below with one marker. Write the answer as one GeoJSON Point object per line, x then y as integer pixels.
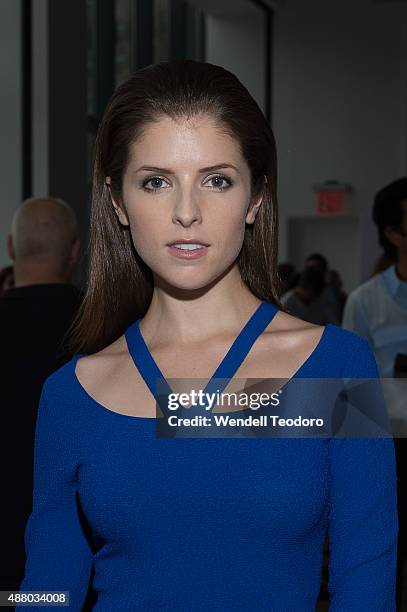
{"type": "Point", "coordinates": [331, 202]}
{"type": "Point", "coordinates": [331, 197]}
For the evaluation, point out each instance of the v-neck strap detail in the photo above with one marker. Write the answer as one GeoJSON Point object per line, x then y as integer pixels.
{"type": "Point", "coordinates": [236, 354]}
{"type": "Point", "coordinates": [245, 340]}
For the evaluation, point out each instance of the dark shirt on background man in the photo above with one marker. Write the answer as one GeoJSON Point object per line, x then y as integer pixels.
{"type": "Point", "coordinates": [33, 321]}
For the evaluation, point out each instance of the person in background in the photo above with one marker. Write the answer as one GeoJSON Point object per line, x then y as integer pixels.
{"type": "Point", "coordinates": [334, 281]}
{"type": "Point", "coordinates": [377, 310]}
{"type": "Point", "coordinates": [288, 276]}
{"type": "Point", "coordinates": [382, 263]}
{"type": "Point", "coordinates": [304, 300]}
{"type": "Point", "coordinates": [317, 260]}
{"type": "Point", "coordinates": [329, 297]}
{"type": "Point", "coordinates": [6, 279]}
{"type": "Point", "coordinates": [35, 315]}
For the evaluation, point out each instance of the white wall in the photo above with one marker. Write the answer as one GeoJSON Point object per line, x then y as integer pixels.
{"type": "Point", "coordinates": [10, 118]}
{"type": "Point", "coordinates": [237, 42]}
{"type": "Point", "coordinates": [339, 109]}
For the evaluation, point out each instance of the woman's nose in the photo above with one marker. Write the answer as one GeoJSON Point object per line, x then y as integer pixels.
{"type": "Point", "coordinates": [186, 210]}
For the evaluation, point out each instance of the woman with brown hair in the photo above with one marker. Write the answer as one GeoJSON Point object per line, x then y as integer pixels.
{"type": "Point", "coordinates": [183, 284]}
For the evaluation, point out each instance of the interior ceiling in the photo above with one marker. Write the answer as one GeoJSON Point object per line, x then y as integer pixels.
{"type": "Point", "coordinates": [247, 7]}
{"type": "Point", "coordinates": [230, 7]}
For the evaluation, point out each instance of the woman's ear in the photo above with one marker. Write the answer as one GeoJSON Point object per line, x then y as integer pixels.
{"type": "Point", "coordinates": [116, 204]}
{"type": "Point", "coordinates": [254, 206]}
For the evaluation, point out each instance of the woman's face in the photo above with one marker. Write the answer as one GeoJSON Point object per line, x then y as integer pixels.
{"type": "Point", "coordinates": [186, 180]}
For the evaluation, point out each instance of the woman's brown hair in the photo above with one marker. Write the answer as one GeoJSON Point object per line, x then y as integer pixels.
{"type": "Point", "coordinates": [119, 285]}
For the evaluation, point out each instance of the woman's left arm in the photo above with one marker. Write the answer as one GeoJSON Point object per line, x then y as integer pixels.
{"type": "Point", "coordinates": [363, 522]}
{"type": "Point", "coordinates": [363, 525]}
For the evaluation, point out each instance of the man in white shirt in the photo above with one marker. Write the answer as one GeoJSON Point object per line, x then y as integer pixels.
{"type": "Point", "coordinates": [377, 310]}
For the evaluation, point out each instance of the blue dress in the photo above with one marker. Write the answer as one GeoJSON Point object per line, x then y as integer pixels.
{"type": "Point", "coordinates": [209, 524]}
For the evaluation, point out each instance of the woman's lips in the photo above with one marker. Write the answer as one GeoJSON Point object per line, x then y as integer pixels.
{"type": "Point", "coordinates": [187, 253]}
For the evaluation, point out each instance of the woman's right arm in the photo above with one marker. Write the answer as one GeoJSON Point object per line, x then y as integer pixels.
{"type": "Point", "coordinates": [59, 557]}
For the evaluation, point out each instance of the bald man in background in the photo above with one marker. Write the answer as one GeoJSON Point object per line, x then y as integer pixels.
{"type": "Point", "coordinates": [35, 316]}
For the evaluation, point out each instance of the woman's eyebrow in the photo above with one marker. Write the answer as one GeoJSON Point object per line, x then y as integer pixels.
{"type": "Point", "coordinates": [168, 171]}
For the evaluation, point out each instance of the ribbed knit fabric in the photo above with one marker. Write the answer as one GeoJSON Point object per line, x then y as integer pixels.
{"type": "Point", "coordinates": [210, 524]}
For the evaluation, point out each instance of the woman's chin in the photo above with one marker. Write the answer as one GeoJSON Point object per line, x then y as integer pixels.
{"type": "Point", "coordinates": [191, 281]}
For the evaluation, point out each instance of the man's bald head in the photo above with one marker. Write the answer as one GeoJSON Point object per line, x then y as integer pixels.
{"type": "Point", "coordinates": [44, 228]}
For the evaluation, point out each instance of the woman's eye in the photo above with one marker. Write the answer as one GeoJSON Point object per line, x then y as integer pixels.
{"type": "Point", "coordinates": [156, 183]}
{"type": "Point", "coordinates": [220, 182]}
{"type": "Point", "coordinates": [153, 184]}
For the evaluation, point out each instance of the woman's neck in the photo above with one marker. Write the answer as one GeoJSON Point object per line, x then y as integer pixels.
{"type": "Point", "coordinates": [196, 319]}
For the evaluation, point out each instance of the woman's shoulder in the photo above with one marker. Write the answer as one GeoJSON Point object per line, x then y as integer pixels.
{"type": "Point", "coordinates": [348, 353]}
{"type": "Point", "coordinates": [98, 369]}
{"type": "Point", "coordinates": [93, 367]}
{"type": "Point", "coordinates": [289, 324]}
{"type": "Point", "coordinates": [349, 340]}
{"type": "Point", "coordinates": [336, 352]}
